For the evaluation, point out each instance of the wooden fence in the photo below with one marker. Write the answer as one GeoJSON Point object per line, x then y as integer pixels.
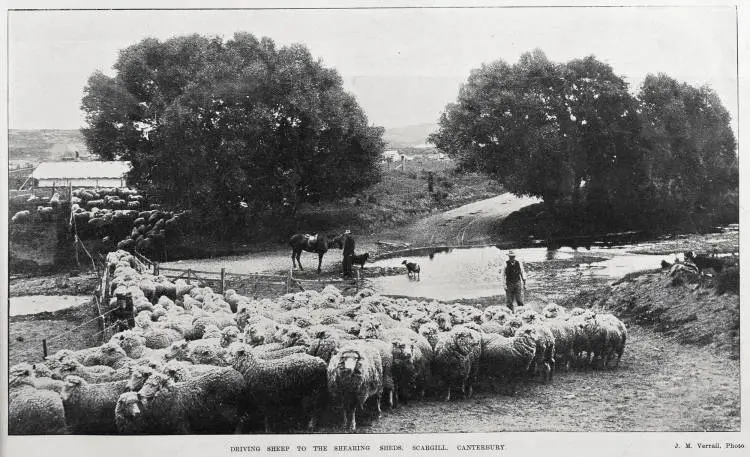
{"type": "Point", "coordinates": [254, 284]}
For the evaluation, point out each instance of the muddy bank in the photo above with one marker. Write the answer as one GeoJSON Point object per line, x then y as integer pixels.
{"type": "Point", "coordinates": [54, 284]}
{"type": "Point", "coordinates": [691, 313]}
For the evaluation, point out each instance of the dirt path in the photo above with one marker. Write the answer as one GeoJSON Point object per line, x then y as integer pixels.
{"type": "Point", "coordinates": [468, 224]}
{"type": "Point", "coordinates": [660, 385]}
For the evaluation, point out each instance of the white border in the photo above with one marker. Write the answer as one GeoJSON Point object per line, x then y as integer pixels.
{"type": "Point", "coordinates": [516, 443]}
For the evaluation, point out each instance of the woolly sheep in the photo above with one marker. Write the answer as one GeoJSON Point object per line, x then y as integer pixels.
{"type": "Point", "coordinates": [507, 359]}
{"type": "Point", "coordinates": [281, 387]}
{"type": "Point", "coordinates": [544, 361]}
{"type": "Point", "coordinates": [32, 411]}
{"type": "Point", "coordinates": [207, 352]}
{"type": "Point", "coordinates": [89, 408]}
{"type": "Point", "coordinates": [210, 403]}
{"type": "Point", "coordinates": [355, 373]}
{"type": "Point", "coordinates": [456, 359]}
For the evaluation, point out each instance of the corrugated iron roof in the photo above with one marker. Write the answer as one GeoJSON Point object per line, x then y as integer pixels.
{"type": "Point", "coordinates": [80, 170]}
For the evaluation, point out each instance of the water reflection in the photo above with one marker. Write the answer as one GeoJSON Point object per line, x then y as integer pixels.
{"type": "Point", "coordinates": [453, 273]}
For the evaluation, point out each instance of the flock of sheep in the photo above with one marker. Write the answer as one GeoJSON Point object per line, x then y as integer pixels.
{"type": "Point", "coordinates": [201, 362]}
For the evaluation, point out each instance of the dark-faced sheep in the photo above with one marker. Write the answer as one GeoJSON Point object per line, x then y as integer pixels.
{"type": "Point", "coordinates": [355, 374]}
{"type": "Point", "coordinates": [456, 361]}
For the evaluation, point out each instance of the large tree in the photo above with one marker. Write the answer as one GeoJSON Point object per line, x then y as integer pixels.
{"type": "Point", "coordinates": [575, 136]}
{"type": "Point", "coordinates": [214, 125]}
{"type": "Point", "coordinates": [692, 161]}
{"type": "Point", "coordinates": [542, 128]}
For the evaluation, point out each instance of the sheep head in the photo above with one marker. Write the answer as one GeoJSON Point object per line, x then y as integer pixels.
{"type": "Point", "coordinates": [129, 406]}
{"type": "Point", "coordinates": [41, 370]}
{"type": "Point", "coordinates": [175, 371]}
{"type": "Point", "coordinates": [138, 377]}
{"type": "Point", "coordinates": [70, 385]}
{"type": "Point", "coordinates": [229, 335]}
{"type": "Point", "coordinates": [177, 351]}
{"type": "Point", "coordinates": [402, 349]}
{"type": "Point", "coordinates": [349, 362]}
{"type": "Point", "coordinates": [369, 329]}
{"type": "Point", "coordinates": [20, 375]}
{"type": "Point", "coordinates": [156, 384]}
{"type": "Point", "coordinates": [238, 352]}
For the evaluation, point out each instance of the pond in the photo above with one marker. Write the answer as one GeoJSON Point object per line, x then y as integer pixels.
{"type": "Point", "coordinates": [456, 273]}
{"type": "Point", "coordinates": [33, 304]}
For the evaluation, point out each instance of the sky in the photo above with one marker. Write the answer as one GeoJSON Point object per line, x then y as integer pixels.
{"type": "Point", "coordinates": [403, 65]}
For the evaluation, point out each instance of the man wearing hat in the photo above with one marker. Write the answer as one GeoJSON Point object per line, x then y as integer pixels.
{"type": "Point", "coordinates": [348, 254]}
{"type": "Point", "coordinates": [123, 313]}
{"type": "Point", "coordinates": [515, 281]}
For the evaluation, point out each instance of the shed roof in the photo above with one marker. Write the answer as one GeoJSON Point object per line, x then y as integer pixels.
{"type": "Point", "coordinates": [81, 170]}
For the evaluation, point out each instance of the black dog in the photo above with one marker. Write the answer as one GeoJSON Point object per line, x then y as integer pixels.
{"type": "Point", "coordinates": [361, 259]}
{"type": "Point", "coordinates": [703, 261]}
{"type": "Point", "coordinates": [412, 269]}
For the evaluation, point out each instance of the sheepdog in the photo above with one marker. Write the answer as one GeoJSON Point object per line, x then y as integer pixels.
{"type": "Point", "coordinates": [361, 259]}
{"type": "Point", "coordinates": [412, 269]}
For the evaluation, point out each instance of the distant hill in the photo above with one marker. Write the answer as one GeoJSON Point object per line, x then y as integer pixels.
{"type": "Point", "coordinates": [36, 146]}
{"type": "Point", "coordinates": [409, 136]}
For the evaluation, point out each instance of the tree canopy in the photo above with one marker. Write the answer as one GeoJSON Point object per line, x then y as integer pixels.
{"type": "Point", "coordinates": [218, 126]}
{"type": "Point", "coordinates": [574, 135]}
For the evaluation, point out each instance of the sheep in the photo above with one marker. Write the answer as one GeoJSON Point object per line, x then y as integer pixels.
{"type": "Point", "coordinates": [160, 337]}
{"type": "Point", "coordinates": [32, 411]}
{"type": "Point", "coordinates": [259, 330]}
{"type": "Point", "coordinates": [564, 333]}
{"type": "Point", "coordinates": [182, 371]}
{"type": "Point", "coordinates": [211, 403]}
{"type": "Point", "coordinates": [544, 361]}
{"type": "Point", "coordinates": [507, 358]}
{"type": "Point", "coordinates": [206, 352]}
{"type": "Point", "coordinates": [89, 408]}
{"type": "Point", "coordinates": [131, 342]}
{"type": "Point", "coordinates": [430, 332]}
{"type": "Point", "coordinates": [606, 337]}
{"type": "Point", "coordinates": [94, 373]}
{"type": "Point", "coordinates": [444, 321]}
{"type": "Point", "coordinates": [280, 387]}
{"type": "Point", "coordinates": [456, 359]}
{"type": "Point", "coordinates": [43, 378]}
{"type": "Point", "coordinates": [355, 373]}
{"type": "Point", "coordinates": [108, 354]}
{"type": "Point", "coordinates": [412, 269]}
{"type": "Point", "coordinates": [21, 217]}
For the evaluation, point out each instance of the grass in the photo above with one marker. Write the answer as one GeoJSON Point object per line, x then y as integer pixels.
{"type": "Point", "coordinates": [402, 196]}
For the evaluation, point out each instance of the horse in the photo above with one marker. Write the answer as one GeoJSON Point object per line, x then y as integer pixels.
{"type": "Point", "coordinates": [319, 243]}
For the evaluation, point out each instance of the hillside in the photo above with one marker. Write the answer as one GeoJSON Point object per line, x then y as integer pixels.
{"type": "Point", "coordinates": [35, 146]}
{"type": "Point", "coordinates": [409, 136]}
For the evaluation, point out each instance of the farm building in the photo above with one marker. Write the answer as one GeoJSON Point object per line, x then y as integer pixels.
{"type": "Point", "coordinates": [80, 174]}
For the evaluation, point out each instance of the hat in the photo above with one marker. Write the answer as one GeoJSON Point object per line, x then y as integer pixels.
{"type": "Point", "coordinates": [511, 254]}
{"type": "Point", "coordinates": [347, 232]}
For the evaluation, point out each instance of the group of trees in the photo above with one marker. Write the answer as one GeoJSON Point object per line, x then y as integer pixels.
{"type": "Point", "coordinates": [598, 156]}
{"type": "Point", "coordinates": [241, 130]}
{"type": "Point", "coordinates": [236, 131]}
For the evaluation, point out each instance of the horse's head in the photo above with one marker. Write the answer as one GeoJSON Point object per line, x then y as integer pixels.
{"type": "Point", "coordinates": [336, 241]}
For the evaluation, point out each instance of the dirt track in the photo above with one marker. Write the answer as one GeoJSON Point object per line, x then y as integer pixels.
{"type": "Point", "coordinates": [468, 224]}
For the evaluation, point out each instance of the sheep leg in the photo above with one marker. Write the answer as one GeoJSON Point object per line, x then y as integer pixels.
{"type": "Point", "coordinates": [353, 426]}
{"type": "Point", "coordinates": [380, 411]}
{"type": "Point", "coordinates": [311, 423]}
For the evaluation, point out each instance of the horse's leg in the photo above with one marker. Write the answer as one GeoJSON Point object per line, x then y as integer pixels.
{"type": "Point", "coordinates": [293, 254]}
{"type": "Point", "coordinates": [299, 252]}
{"type": "Point", "coordinates": [320, 260]}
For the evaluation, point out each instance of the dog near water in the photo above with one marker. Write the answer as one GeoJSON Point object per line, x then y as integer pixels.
{"type": "Point", "coordinates": [361, 259]}
{"type": "Point", "coordinates": [704, 261]}
{"type": "Point", "coordinates": [412, 269]}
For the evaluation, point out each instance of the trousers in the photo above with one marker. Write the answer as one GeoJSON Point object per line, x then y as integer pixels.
{"type": "Point", "coordinates": [514, 292]}
{"type": "Point", "coordinates": [348, 263]}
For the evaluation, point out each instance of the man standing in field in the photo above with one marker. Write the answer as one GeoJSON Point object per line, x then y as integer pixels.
{"type": "Point", "coordinates": [348, 254]}
{"type": "Point", "coordinates": [515, 281]}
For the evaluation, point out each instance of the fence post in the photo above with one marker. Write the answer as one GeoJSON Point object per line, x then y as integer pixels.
{"type": "Point", "coordinates": [44, 347]}
{"type": "Point", "coordinates": [223, 278]}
